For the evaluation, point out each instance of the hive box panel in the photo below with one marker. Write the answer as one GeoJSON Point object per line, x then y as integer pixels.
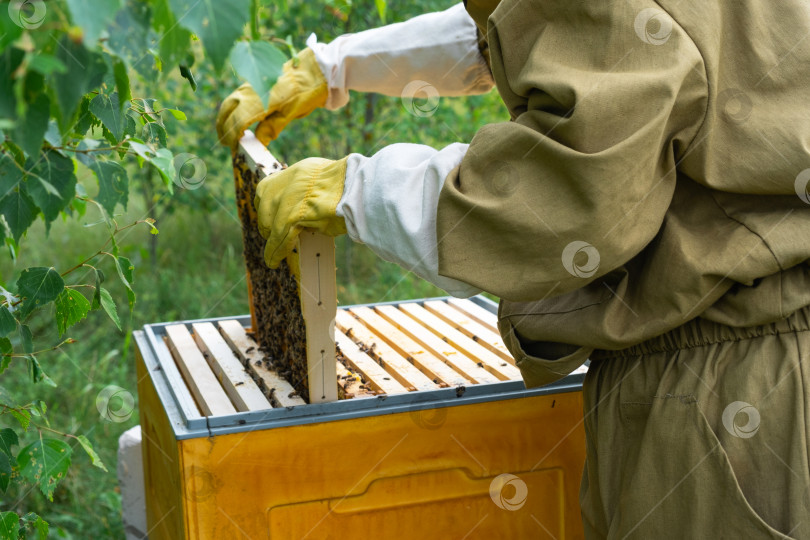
{"type": "Point", "coordinates": [491, 460]}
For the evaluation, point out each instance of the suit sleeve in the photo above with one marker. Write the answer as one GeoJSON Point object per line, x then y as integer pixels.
{"type": "Point", "coordinates": [435, 54]}
{"type": "Point", "coordinates": [389, 203]}
{"type": "Point", "coordinates": [579, 181]}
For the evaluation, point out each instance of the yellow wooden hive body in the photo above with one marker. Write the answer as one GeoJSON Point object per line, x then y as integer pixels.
{"type": "Point", "coordinates": [424, 449]}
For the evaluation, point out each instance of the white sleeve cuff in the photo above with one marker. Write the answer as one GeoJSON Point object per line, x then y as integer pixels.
{"type": "Point", "coordinates": [389, 203]}
{"type": "Point", "coordinates": [440, 49]}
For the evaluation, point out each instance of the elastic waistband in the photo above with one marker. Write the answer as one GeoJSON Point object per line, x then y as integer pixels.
{"type": "Point", "coordinates": [701, 333]}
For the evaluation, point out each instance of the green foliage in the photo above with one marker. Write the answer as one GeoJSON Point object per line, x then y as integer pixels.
{"type": "Point", "coordinates": [113, 184]}
{"type": "Point", "coordinates": [108, 110]}
{"type": "Point", "coordinates": [38, 285]}
{"type": "Point", "coordinates": [44, 463]}
{"type": "Point", "coordinates": [109, 306]}
{"type": "Point", "coordinates": [9, 525]}
{"type": "Point", "coordinates": [32, 128]}
{"type": "Point", "coordinates": [259, 63]}
{"type": "Point", "coordinates": [216, 23]}
{"type": "Point", "coordinates": [71, 307]}
{"type": "Point", "coordinates": [5, 472]}
{"type": "Point", "coordinates": [19, 212]}
{"type": "Point", "coordinates": [92, 16]}
{"type": "Point", "coordinates": [50, 182]}
{"type": "Point", "coordinates": [79, 115]}
{"type": "Point", "coordinates": [98, 102]}
{"type": "Point", "coordinates": [7, 322]}
{"type": "Point", "coordinates": [382, 8]}
{"type": "Point", "coordinates": [37, 526]}
{"type": "Point", "coordinates": [10, 174]}
{"type": "Point", "coordinates": [94, 459]}
{"type": "Point", "coordinates": [84, 71]}
{"type": "Point", "coordinates": [8, 438]}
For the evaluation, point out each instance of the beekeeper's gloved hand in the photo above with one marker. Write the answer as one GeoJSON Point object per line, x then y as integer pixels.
{"type": "Point", "coordinates": [305, 195]}
{"type": "Point", "coordinates": [299, 90]}
{"type": "Point", "coordinates": [438, 51]}
{"type": "Point", "coordinates": [388, 202]}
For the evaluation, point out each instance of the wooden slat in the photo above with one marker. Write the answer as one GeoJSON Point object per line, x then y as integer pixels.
{"type": "Point", "coordinates": [350, 384]}
{"type": "Point", "coordinates": [492, 363]}
{"type": "Point", "coordinates": [203, 384]}
{"type": "Point", "coordinates": [379, 379]}
{"type": "Point", "coordinates": [318, 306]}
{"type": "Point", "coordinates": [475, 312]}
{"type": "Point", "coordinates": [238, 384]}
{"type": "Point", "coordinates": [452, 357]}
{"type": "Point", "coordinates": [472, 329]}
{"type": "Point", "coordinates": [275, 387]}
{"type": "Point", "coordinates": [257, 155]}
{"type": "Point", "coordinates": [393, 362]}
{"type": "Point", "coordinates": [427, 363]}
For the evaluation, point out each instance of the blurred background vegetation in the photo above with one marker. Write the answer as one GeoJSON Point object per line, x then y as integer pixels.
{"type": "Point", "coordinates": [194, 268]}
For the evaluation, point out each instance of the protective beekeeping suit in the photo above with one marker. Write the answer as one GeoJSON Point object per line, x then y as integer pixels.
{"type": "Point", "coordinates": [646, 207]}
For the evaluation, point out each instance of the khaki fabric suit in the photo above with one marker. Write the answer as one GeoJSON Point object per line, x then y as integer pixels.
{"type": "Point", "coordinates": [648, 208]}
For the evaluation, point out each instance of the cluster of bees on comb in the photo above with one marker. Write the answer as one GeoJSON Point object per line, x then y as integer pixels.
{"type": "Point", "coordinates": [280, 330]}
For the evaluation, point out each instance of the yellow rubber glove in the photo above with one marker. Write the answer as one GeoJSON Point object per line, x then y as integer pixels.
{"type": "Point", "coordinates": [305, 195]}
{"type": "Point", "coordinates": [299, 90]}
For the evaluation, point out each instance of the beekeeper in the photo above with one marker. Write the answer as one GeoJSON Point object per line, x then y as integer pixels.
{"type": "Point", "coordinates": [646, 208]}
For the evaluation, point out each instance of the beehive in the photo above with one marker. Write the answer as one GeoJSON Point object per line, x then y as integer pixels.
{"type": "Point", "coordinates": [435, 435]}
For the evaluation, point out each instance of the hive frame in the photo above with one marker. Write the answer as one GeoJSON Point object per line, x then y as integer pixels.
{"type": "Point", "coordinates": [318, 291]}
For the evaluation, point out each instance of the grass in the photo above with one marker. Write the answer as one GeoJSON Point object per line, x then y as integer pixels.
{"type": "Point", "coordinates": [197, 272]}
